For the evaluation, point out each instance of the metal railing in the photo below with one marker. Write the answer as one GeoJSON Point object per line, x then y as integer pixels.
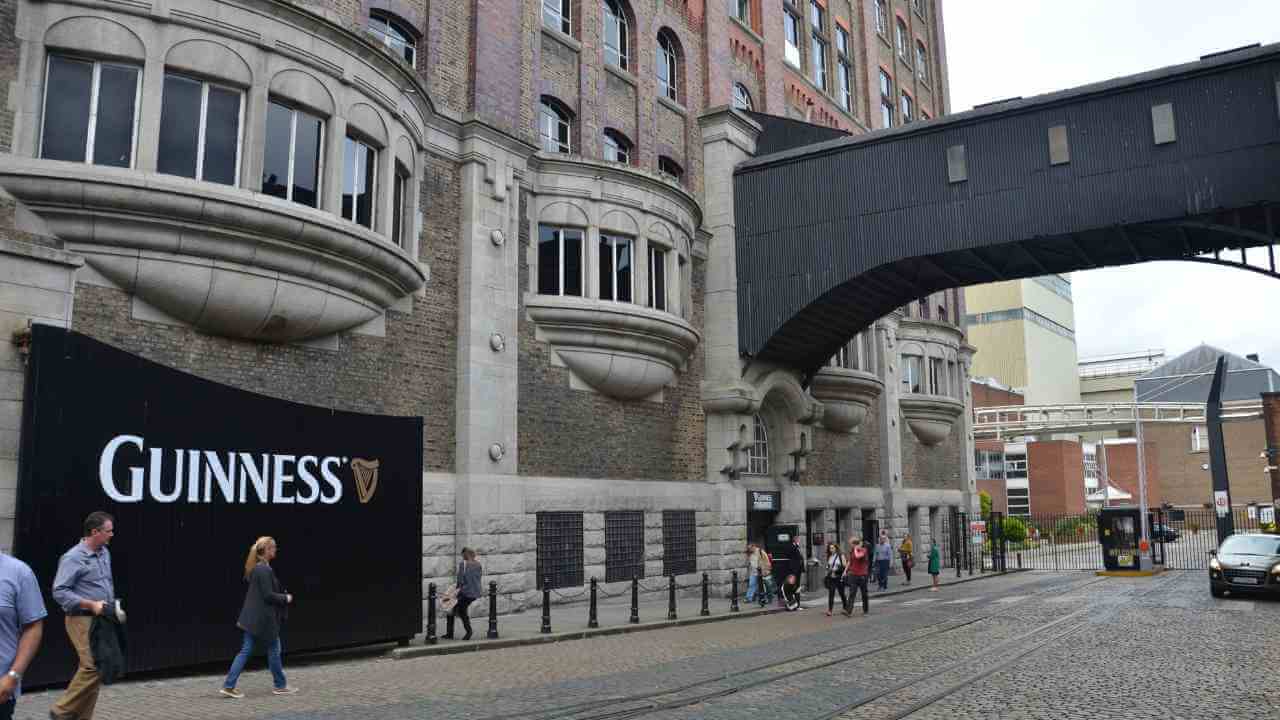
{"type": "Point", "coordinates": [1016, 420]}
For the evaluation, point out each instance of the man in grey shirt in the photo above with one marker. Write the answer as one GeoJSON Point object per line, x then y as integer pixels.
{"type": "Point", "coordinates": [84, 588]}
{"type": "Point", "coordinates": [21, 627]}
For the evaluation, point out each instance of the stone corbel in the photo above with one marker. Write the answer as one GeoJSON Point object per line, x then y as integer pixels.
{"type": "Point", "coordinates": [930, 417]}
{"type": "Point", "coordinates": [847, 396]}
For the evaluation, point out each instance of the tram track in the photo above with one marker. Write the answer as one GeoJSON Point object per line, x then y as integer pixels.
{"type": "Point", "coordinates": [650, 702]}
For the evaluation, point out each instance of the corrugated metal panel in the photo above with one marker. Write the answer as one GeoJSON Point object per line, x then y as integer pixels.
{"type": "Point", "coordinates": [819, 227]}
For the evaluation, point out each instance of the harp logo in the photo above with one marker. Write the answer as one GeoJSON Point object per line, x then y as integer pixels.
{"type": "Point", "coordinates": [366, 474]}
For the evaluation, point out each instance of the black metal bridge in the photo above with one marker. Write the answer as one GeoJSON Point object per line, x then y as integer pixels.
{"type": "Point", "coordinates": [1181, 163]}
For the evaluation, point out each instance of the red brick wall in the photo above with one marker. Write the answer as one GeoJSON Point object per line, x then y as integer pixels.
{"type": "Point", "coordinates": [995, 488]}
{"type": "Point", "coordinates": [1122, 471]}
{"type": "Point", "coordinates": [1271, 421]}
{"type": "Point", "coordinates": [1056, 476]}
{"type": "Point", "coordinates": [987, 396]}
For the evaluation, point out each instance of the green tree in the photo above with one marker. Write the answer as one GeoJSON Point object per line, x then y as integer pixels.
{"type": "Point", "coordinates": [1015, 531]}
{"type": "Point", "coordinates": [984, 500]}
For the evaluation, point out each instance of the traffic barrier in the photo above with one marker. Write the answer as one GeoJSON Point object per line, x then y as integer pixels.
{"type": "Point", "coordinates": [671, 597]}
{"type": "Point", "coordinates": [733, 593]}
{"type": "Point", "coordinates": [493, 611]}
{"type": "Point", "coordinates": [546, 605]}
{"type": "Point", "coordinates": [431, 615]}
{"type": "Point", "coordinates": [635, 601]}
{"type": "Point", "coordinates": [706, 589]}
{"type": "Point", "coordinates": [591, 614]}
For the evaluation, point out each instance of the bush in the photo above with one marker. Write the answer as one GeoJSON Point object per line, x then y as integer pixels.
{"type": "Point", "coordinates": [1015, 531]}
{"type": "Point", "coordinates": [984, 499]}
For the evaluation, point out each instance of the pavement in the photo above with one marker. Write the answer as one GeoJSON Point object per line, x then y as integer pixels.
{"type": "Point", "coordinates": [1025, 645]}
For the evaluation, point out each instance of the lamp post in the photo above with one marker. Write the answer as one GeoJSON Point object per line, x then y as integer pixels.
{"type": "Point", "coordinates": [1144, 555]}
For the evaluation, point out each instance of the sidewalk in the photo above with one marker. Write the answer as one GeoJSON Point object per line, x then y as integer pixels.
{"type": "Point", "coordinates": [569, 621]}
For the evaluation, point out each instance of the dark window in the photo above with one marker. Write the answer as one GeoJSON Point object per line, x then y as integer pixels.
{"type": "Point", "coordinates": [623, 545]}
{"type": "Point", "coordinates": [359, 171]}
{"type": "Point", "coordinates": [615, 35]}
{"type": "Point", "coordinates": [669, 167]}
{"type": "Point", "coordinates": [902, 39]}
{"type": "Point", "coordinates": [616, 261]}
{"type": "Point", "coordinates": [560, 549]}
{"type": "Point", "coordinates": [908, 109]}
{"type": "Point", "coordinates": [291, 158]}
{"type": "Point", "coordinates": [844, 69]}
{"type": "Point", "coordinates": [886, 99]}
{"type": "Point", "coordinates": [817, 21]}
{"type": "Point", "coordinates": [555, 15]}
{"type": "Point", "coordinates": [559, 261]}
{"type": "Point", "coordinates": [922, 63]}
{"type": "Point", "coordinates": [882, 18]}
{"type": "Point", "coordinates": [657, 277]}
{"type": "Point", "coordinates": [616, 147]}
{"type": "Point", "coordinates": [553, 126]}
{"type": "Point", "coordinates": [89, 112]}
{"type": "Point", "coordinates": [668, 66]}
{"type": "Point", "coordinates": [399, 208]}
{"type": "Point", "coordinates": [742, 9]}
{"type": "Point", "coordinates": [919, 7]}
{"type": "Point", "coordinates": [741, 97]}
{"type": "Point", "coordinates": [791, 28]}
{"type": "Point", "coordinates": [679, 542]}
{"type": "Point", "coordinates": [394, 34]}
{"type": "Point", "coordinates": [199, 130]}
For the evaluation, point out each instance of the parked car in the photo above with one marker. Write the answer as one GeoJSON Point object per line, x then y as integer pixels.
{"type": "Point", "coordinates": [1246, 562]}
{"type": "Point", "coordinates": [1163, 533]}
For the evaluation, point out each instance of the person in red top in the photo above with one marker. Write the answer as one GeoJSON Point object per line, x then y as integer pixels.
{"type": "Point", "coordinates": [856, 574]}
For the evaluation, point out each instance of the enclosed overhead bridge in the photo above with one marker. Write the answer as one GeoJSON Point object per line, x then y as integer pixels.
{"type": "Point", "coordinates": [1018, 420]}
{"type": "Point", "coordinates": [1181, 163]}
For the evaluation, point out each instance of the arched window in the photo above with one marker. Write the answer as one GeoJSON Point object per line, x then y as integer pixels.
{"type": "Point", "coordinates": [670, 168]}
{"type": "Point", "coordinates": [922, 62]}
{"type": "Point", "coordinates": [668, 65]}
{"type": "Point", "coordinates": [741, 97]}
{"type": "Point", "coordinates": [758, 450]}
{"type": "Point", "coordinates": [912, 374]}
{"type": "Point", "coordinates": [617, 148]}
{"type": "Point", "coordinates": [616, 50]}
{"type": "Point", "coordinates": [902, 41]}
{"type": "Point", "coordinates": [394, 34]}
{"type": "Point", "coordinates": [553, 126]}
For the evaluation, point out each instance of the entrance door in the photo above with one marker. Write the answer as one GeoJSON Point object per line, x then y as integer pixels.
{"type": "Point", "coordinates": [870, 526]}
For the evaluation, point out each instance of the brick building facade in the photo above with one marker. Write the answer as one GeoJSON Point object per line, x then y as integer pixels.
{"type": "Point", "coordinates": [537, 257]}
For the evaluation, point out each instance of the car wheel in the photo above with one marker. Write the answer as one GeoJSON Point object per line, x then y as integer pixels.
{"type": "Point", "coordinates": [1216, 591]}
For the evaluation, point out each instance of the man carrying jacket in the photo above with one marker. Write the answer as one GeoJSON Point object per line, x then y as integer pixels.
{"type": "Point", "coordinates": [856, 573]}
{"type": "Point", "coordinates": [84, 588]}
{"type": "Point", "coordinates": [795, 566]}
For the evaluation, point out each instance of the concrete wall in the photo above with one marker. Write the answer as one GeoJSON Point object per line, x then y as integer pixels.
{"type": "Point", "coordinates": [1051, 371]}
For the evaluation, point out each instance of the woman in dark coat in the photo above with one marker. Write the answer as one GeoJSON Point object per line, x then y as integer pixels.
{"type": "Point", "coordinates": [469, 574]}
{"type": "Point", "coordinates": [260, 618]}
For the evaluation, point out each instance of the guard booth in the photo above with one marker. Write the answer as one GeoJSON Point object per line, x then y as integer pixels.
{"type": "Point", "coordinates": [777, 540]}
{"type": "Point", "coordinates": [1119, 530]}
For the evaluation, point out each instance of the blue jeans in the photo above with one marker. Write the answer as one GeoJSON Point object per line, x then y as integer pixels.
{"type": "Point", "coordinates": [882, 574]}
{"type": "Point", "coordinates": [273, 661]}
{"type": "Point", "coordinates": [752, 582]}
{"type": "Point", "coordinates": [6, 710]}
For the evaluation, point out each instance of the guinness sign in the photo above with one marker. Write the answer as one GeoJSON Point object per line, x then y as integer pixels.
{"type": "Point", "coordinates": [193, 472]}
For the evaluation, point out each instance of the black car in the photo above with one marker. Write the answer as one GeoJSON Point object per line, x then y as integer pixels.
{"type": "Point", "coordinates": [1163, 533]}
{"type": "Point", "coordinates": [1246, 562]}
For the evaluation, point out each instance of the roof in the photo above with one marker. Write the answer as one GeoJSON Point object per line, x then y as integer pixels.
{"type": "Point", "coordinates": [1188, 377]}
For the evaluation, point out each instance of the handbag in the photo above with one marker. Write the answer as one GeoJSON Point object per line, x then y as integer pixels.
{"type": "Point", "coordinates": [449, 599]}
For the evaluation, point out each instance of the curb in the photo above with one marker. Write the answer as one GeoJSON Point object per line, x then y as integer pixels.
{"type": "Point", "coordinates": [416, 651]}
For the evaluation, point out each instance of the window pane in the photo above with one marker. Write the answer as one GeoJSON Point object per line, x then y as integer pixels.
{"type": "Point", "coordinates": [548, 261]}
{"type": "Point", "coordinates": [306, 161]}
{"type": "Point", "coordinates": [573, 262]}
{"type": "Point", "coordinates": [221, 136]}
{"type": "Point", "coordinates": [66, 109]}
{"type": "Point", "coordinates": [179, 126]}
{"type": "Point", "coordinates": [623, 273]}
{"type": "Point", "coordinates": [397, 209]}
{"type": "Point", "coordinates": [275, 158]}
{"type": "Point", "coordinates": [658, 279]}
{"type": "Point", "coordinates": [365, 182]}
{"type": "Point", "coordinates": [606, 268]}
{"type": "Point", "coordinates": [113, 136]}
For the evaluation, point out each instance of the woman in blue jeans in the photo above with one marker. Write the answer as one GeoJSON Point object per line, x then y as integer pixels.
{"type": "Point", "coordinates": [261, 615]}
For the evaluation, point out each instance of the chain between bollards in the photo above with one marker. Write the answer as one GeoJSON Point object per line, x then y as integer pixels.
{"type": "Point", "coordinates": [546, 605]}
{"type": "Point", "coordinates": [591, 615]}
{"type": "Point", "coordinates": [493, 611]}
{"type": "Point", "coordinates": [733, 592]}
{"type": "Point", "coordinates": [431, 615]}
{"type": "Point", "coordinates": [671, 598]}
{"type": "Point", "coordinates": [706, 590]}
{"type": "Point", "coordinates": [635, 600]}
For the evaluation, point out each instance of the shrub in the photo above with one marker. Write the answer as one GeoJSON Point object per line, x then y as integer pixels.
{"type": "Point", "coordinates": [1015, 531]}
{"type": "Point", "coordinates": [984, 499]}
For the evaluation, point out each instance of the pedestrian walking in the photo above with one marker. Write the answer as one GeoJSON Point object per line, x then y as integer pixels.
{"type": "Point", "coordinates": [884, 555]}
{"type": "Point", "coordinates": [835, 578]}
{"type": "Point", "coordinates": [767, 587]}
{"type": "Point", "coordinates": [83, 587]}
{"type": "Point", "coordinates": [906, 557]}
{"type": "Point", "coordinates": [753, 572]}
{"type": "Point", "coordinates": [856, 574]}
{"type": "Point", "coordinates": [935, 563]}
{"type": "Point", "coordinates": [22, 616]}
{"type": "Point", "coordinates": [468, 591]}
{"type": "Point", "coordinates": [795, 566]}
{"type": "Point", "coordinates": [263, 613]}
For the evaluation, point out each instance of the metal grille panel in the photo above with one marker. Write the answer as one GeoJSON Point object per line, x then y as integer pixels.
{"type": "Point", "coordinates": [679, 542]}
{"type": "Point", "coordinates": [560, 549]}
{"type": "Point", "coordinates": [623, 545]}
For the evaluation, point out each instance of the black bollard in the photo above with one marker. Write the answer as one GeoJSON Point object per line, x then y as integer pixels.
{"type": "Point", "coordinates": [546, 605]}
{"type": "Point", "coordinates": [959, 561]}
{"type": "Point", "coordinates": [706, 589]}
{"type": "Point", "coordinates": [671, 597]}
{"type": "Point", "coordinates": [1019, 561]}
{"type": "Point", "coordinates": [431, 615]}
{"type": "Point", "coordinates": [591, 615]}
{"type": "Point", "coordinates": [493, 611]}
{"type": "Point", "coordinates": [733, 589]}
{"type": "Point", "coordinates": [635, 600]}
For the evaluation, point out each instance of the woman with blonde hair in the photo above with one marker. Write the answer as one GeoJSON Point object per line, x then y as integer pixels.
{"type": "Point", "coordinates": [264, 609]}
{"type": "Point", "coordinates": [835, 578]}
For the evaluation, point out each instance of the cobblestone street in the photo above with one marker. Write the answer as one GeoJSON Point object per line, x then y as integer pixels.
{"type": "Point", "coordinates": [1029, 645]}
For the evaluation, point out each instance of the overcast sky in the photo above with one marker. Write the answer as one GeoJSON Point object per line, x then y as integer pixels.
{"type": "Point", "coordinates": [1003, 48]}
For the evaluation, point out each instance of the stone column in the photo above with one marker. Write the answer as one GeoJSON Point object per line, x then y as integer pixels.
{"type": "Point", "coordinates": [728, 138]}
{"type": "Point", "coordinates": [893, 512]}
{"type": "Point", "coordinates": [145, 154]}
{"type": "Point", "coordinates": [968, 474]}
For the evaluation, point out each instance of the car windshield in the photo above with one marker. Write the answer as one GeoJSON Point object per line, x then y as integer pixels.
{"type": "Point", "coordinates": [1251, 545]}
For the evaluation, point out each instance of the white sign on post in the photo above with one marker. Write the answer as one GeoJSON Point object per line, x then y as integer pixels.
{"type": "Point", "coordinates": [1221, 502]}
{"type": "Point", "coordinates": [1266, 514]}
{"type": "Point", "coordinates": [1253, 512]}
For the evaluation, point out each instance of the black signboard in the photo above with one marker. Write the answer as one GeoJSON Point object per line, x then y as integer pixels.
{"type": "Point", "coordinates": [194, 472]}
{"type": "Point", "coordinates": [764, 500]}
